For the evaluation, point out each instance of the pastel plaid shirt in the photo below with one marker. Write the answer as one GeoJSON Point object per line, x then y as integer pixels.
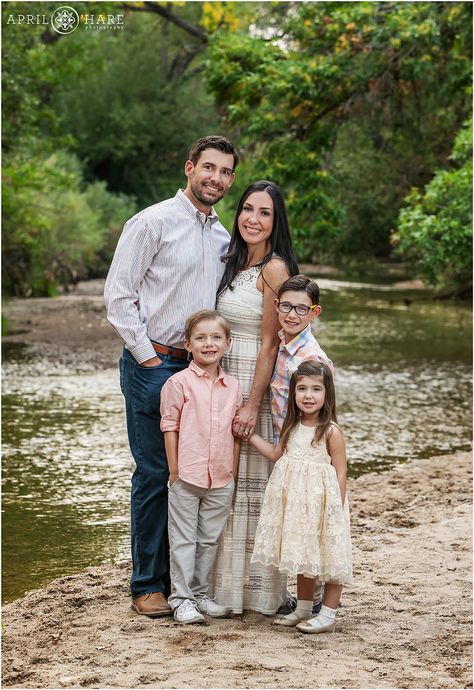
{"type": "Point", "coordinates": [302, 348]}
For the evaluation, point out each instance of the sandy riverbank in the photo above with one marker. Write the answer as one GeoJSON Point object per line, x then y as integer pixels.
{"type": "Point", "coordinates": [68, 331]}
{"type": "Point", "coordinates": [405, 624]}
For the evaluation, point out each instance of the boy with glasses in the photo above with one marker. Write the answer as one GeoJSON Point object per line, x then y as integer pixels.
{"type": "Point", "coordinates": [296, 305]}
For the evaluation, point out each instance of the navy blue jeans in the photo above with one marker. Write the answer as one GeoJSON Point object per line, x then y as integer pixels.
{"type": "Point", "coordinates": [141, 387]}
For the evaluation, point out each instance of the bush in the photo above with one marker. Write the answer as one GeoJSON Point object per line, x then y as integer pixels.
{"type": "Point", "coordinates": [54, 226]}
{"type": "Point", "coordinates": [435, 229]}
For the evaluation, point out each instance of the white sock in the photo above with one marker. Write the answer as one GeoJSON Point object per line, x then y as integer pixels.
{"type": "Point", "coordinates": [303, 610]}
{"type": "Point", "coordinates": [325, 616]}
{"type": "Point", "coordinates": [303, 607]}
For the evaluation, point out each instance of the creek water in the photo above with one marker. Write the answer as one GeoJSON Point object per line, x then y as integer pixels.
{"type": "Point", "coordinates": [403, 377]}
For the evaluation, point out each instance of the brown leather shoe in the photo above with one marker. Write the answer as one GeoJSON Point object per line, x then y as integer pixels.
{"type": "Point", "coordinates": [152, 604]}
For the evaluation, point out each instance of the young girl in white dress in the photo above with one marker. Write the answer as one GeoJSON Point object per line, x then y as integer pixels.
{"type": "Point", "coordinates": [304, 523]}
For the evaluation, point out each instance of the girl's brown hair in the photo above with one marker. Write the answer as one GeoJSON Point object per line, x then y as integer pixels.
{"type": "Point", "coordinates": [327, 414]}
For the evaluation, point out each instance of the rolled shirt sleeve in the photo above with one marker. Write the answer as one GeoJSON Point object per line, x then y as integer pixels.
{"type": "Point", "coordinates": [171, 404]}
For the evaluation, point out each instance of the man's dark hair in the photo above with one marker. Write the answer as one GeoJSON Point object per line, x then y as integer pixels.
{"type": "Point", "coordinates": [212, 142]}
{"type": "Point", "coordinates": [303, 283]}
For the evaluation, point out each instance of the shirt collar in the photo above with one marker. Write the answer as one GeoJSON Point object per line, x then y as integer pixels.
{"type": "Point", "coordinates": [200, 372]}
{"type": "Point", "coordinates": [294, 345]}
{"type": "Point", "coordinates": [190, 208]}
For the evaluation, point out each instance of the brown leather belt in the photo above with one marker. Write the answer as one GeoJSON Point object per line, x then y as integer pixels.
{"type": "Point", "coordinates": [171, 351]}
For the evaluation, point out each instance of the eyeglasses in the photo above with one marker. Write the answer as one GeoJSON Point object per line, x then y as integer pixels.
{"type": "Point", "coordinates": [300, 309]}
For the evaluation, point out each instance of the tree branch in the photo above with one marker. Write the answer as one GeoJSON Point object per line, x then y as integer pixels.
{"type": "Point", "coordinates": [155, 8]}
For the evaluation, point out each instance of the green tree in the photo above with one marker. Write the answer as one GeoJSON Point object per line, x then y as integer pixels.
{"type": "Point", "coordinates": [384, 84]}
{"type": "Point", "coordinates": [134, 115]}
{"type": "Point", "coordinates": [435, 228]}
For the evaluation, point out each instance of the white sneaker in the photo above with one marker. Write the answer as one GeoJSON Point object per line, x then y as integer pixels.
{"type": "Point", "coordinates": [210, 608]}
{"type": "Point", "coordinates": [187, 613]}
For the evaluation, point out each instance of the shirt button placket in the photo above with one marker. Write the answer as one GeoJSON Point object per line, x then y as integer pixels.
{"type": "Point", "coordinates": [214, 430]}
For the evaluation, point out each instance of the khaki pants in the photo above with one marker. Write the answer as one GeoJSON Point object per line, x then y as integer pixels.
{"type": "Point", "coordinates": [196, 518]}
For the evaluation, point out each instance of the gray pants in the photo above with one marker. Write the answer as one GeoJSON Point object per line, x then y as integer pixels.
{"type": "Point", "coordinates": [196, 518]}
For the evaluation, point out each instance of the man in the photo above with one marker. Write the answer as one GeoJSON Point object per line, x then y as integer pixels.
{"type": "Point", "coordinates": [167, 266]}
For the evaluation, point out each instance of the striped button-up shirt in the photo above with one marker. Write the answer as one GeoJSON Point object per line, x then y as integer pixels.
{"type": "Point", "coordinates": [201, 410]}
{"type": "Point", "coordinates": [302, 348]}
{"type": "Point", "coordinates": [167, 266]}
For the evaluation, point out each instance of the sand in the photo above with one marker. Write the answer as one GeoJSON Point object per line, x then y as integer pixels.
{"type": "Point", "coordinates": [406, 623]}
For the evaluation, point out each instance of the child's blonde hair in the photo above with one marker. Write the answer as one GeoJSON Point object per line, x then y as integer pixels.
{"type": "Point", "coordinates": [205, 315]}
{"type": "Point", "coordinates": [327, 414]}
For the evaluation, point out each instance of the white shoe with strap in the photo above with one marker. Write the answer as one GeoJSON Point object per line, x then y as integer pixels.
{"type": "Point", "coordinates": [291, 619]}
{"type": "Point", "coordinates": [325, 621]}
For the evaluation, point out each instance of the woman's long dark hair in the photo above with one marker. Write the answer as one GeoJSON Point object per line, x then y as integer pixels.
{"type": "Point", "coordinates": [280, 240]}
{"type": "Point", "coordinates": [327, 414]}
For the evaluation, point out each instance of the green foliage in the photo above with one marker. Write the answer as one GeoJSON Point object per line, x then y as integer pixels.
{"type": "Point", "coordinates": [346, 105]}
{"type": "Point", "coordinates": [54, 226]}
{"type": "Point", "coordinates": [435, 229]}
{"type": "Point", "coordinates": [112, 211]}
{"type": "Point", "coordinates": [132, 112]}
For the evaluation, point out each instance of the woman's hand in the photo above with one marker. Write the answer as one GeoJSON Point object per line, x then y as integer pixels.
{"type": "Point", "coordinates": [245, 421]}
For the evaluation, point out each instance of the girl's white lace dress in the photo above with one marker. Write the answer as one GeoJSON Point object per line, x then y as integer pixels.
{"type": "Point", "coordinates": [303, 527]}
{"type": "Point", "coordinates": [238, 583]}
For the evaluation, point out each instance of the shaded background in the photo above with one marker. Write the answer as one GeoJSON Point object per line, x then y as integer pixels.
{"type": "Point", "coordinates": [359, 110]}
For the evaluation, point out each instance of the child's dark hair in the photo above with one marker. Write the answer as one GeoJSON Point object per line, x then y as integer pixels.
{"type": "Point", "coordinates": [327, 414]}
{"type": "Point", "coordinates": [205, 315]}
{"type": "Point", "coordinates": [303, 283]}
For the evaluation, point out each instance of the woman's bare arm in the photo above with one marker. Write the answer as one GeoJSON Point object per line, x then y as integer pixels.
{"type": "Point", "coordinates": [273, 275]}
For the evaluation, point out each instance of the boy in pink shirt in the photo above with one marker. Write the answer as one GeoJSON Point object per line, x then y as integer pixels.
{"type": "Point", "coordinates": [198, 405]}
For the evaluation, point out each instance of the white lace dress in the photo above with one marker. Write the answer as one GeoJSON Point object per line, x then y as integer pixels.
{"type": "Point", "coordinates": [238, 583]}
{"type": "Point", "coordinates": [303, 527]}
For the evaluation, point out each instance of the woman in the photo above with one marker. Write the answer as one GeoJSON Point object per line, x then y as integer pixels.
{"type": "Point", "coordinates": [259, 260]}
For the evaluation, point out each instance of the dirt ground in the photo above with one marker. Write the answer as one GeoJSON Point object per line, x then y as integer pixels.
{"type": "Point", "coordinates": [406, 623]}
{"type": "Point", "coordinates": [70, 330]}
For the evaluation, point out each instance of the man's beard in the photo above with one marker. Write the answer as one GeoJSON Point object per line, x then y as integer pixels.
{"type": "Point", "coordinates": [206, 202]}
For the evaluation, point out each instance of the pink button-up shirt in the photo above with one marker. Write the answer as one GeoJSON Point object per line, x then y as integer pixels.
{"type": "Point", "coordinates": [201, 411]}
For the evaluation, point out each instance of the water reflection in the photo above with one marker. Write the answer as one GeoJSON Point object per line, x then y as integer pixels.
{"type": "Point", "coordinates": [391, 415]}
{"type": "Point", "coordinates": [66, 475]}
{"type": "Point", "coordinates": [403, 378]}
{"type": "Point", "coordinates": [389, 326]}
